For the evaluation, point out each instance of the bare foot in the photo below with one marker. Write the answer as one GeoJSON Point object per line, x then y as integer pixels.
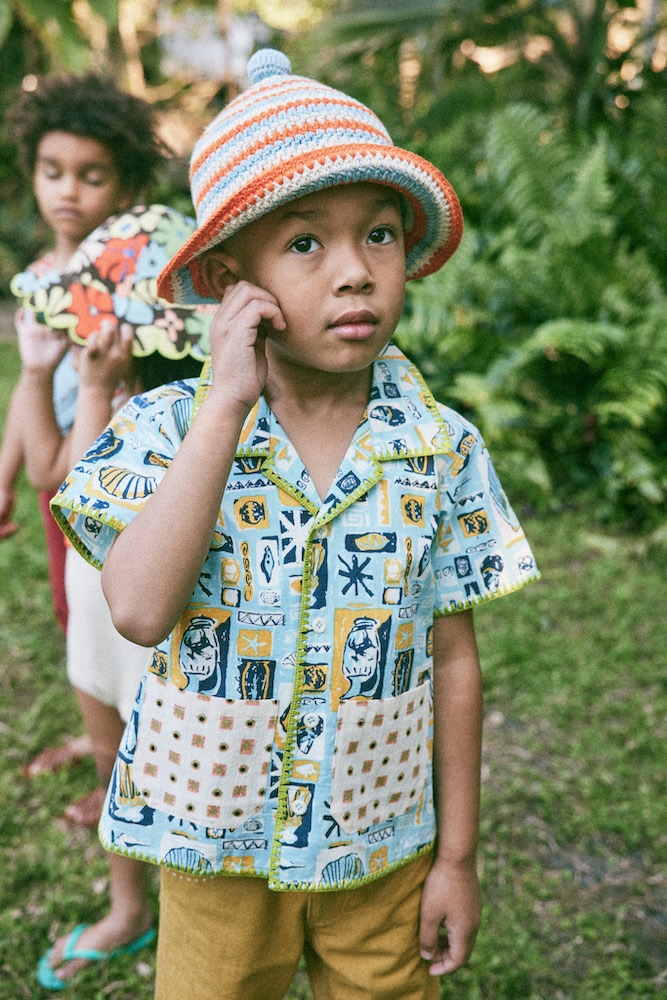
{"type": "Point", "coordinates": [107, 936]}
{"type": "Point", "coordinates": [87, 810]}
{"type": "Point", "coordinates": [55, 758]}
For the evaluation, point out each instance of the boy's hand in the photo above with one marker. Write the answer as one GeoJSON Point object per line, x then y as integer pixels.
{"type": "Point", "coordinates": [106, 358]}
{"type": "Point", "coordinates": [238, 358]}
{"type": "Point", "coordinates": [41, 348]}
{"type": "Point", "coordinates": [450, 915]}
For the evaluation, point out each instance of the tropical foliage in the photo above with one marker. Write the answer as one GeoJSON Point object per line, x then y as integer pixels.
{"type": "Point", "coordinates": [548, 327]}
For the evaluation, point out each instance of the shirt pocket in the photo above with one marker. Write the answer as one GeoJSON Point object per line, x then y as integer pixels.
{"type": "Point", "coordinates": [381, 758]}
{"type": "Point", "coordinates": [203, 759]}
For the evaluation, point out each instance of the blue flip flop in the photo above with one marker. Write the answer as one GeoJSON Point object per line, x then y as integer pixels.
{"type": "Point", "coordinates": [46, 976]}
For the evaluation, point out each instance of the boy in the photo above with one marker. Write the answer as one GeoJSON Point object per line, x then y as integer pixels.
{"type": "Point", "coordinates": [291, 536]}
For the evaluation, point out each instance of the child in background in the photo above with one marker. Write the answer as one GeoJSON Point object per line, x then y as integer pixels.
{"type": "Point", "coordinates": [90, 150]}
{"type": "Point", "coordinates": [303, 757]}
{"type": "Point", "coordinates": [104, 668]}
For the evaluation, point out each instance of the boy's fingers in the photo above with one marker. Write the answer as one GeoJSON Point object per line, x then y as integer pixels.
{"type": "Point", "coordinates": [446, 956]}
{"type": "Point", "coordinates": [429, 932]}
{"type": "Point", "coordinates": [250, 305]}
{"type": "Point", "coordinates": [271, 317]}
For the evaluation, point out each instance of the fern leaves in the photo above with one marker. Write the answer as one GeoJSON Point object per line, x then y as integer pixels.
{"type": "Point", "coordinates": [548, 329]}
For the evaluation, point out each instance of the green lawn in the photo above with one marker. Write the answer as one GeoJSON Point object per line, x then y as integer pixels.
{"type": "Point", "coordinates": [574, 829]}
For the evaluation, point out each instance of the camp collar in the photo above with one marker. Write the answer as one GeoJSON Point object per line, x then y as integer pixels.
{"type": "Point", "coordinates": [402, 419]}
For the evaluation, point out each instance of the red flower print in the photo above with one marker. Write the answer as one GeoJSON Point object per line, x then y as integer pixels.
{"type": "Point", "coordinates": [90, 304]}
{"type": "Point", "coordinates": [119, 257]}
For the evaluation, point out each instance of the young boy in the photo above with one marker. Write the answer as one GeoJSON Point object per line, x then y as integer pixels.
{"type": "Point", "coordinates": [292, 535]}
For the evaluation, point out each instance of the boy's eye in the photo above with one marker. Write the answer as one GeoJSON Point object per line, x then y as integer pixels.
{"type": "Point", "coordinates": [304, 244]}
{"type": "Point", "coordinates": [382, 234]}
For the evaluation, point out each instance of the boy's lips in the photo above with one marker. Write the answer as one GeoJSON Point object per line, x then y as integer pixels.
{"type": "Point", "coordinates": [359, 323]}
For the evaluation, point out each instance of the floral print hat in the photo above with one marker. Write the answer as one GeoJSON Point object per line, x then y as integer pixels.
{"type": "Point", "coordinates": [113, 275]}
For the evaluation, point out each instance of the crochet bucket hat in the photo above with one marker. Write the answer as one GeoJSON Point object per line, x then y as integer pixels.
{"type": "Point", "coordinates": [288, 136]}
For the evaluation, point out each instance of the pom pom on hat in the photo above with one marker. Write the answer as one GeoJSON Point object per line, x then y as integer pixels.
{"type": "Point", "coordinates": [268, 62]}
{"type": "Point", "coordinates": [287, 136]}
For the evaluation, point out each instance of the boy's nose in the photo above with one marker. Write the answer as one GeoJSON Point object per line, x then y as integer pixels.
{"type": "Point", "coordinates": [352, 271]}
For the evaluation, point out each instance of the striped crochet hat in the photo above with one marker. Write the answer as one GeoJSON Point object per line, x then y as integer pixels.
{"type": "Point", "coordinates": [285, 137]}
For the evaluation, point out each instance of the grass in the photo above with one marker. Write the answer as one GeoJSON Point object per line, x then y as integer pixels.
{"type": "Point", "coordinates": [574, 831]}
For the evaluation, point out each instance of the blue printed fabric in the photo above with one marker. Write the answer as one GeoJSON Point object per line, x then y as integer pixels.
{"type": "Point", "coordinates": [65, 391]}
{"type": "Point", "coordinates": [284, 728]}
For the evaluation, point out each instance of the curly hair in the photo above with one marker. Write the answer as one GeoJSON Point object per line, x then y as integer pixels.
{"type": "Point", "coordinates": [93, 107]}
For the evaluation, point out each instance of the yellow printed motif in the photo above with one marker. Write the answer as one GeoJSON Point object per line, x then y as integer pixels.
{"type": "Point", "coordinates": [412, 509]}
{"type": "Point", "coordinates": [198, 651]}
{"type": "Point", "coordinates": [383, 507]}
{"type": "Point", "coordinates": [239, 864]}
{"type": "Point", "coordinates": [405, 636]}
{"type": "Point", "coordinates": [254, 642]}
{"type": "Point", "coordinates": [475, 522]}
{"type": "Point", "coordinates": [251, 512]}
{"type": "Point", "coordinates": [123, 485]}
{"type": "Point", "coordinates": [248, 590]}
{"type": "Point", "coordinates": [315, 676]}
{"type": "Point", "coordinates": [359, 653]}
{"type": "Point", "coordinates": [379, 860]}
{"type": "Point", "coordinates": [231, 572]}
{"type": "Point", "coordinates": [393, 571]}
{"type": "Point", "coordinates": [372, 541]}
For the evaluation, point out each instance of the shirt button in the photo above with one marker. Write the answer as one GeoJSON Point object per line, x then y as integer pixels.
{"type": "Point", "coordinates": [321, 532]}
{"type": "Point", "coordinates": [318, 625]}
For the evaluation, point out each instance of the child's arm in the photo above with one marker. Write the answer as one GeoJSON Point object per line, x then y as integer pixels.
{"type": "Point", "coordinates": [451, 894]}
{"type": "Point", "coordinates": [156, 560]}
{"type": "Point", "coordinates": [104, 363]}
{"type": "Point", "coordinates": [41, 350]}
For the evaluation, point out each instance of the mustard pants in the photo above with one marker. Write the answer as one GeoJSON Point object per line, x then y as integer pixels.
{"type": "Point", "coordinates": [232, 938]}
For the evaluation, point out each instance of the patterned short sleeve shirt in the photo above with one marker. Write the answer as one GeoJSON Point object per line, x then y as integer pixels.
{"type": "Point", "coordinates": [284, 729]}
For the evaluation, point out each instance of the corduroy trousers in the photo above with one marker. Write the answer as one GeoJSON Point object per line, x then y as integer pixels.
{"type": "Point", "coordinates": [232, 938]}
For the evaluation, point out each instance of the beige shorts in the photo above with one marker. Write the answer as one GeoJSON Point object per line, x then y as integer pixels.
{"type": "Point", "coordinates": [232, 938]}
{"type": "Point", "coordinates": [100, 661]}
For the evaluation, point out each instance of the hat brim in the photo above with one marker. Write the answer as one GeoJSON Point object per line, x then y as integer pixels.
{"type": "Point", "coordinates": [111, 278]}
{"type": "Point", "coordinates": [432, 234]}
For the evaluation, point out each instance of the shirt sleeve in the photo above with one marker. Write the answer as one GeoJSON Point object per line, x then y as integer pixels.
{"type": "Point", "coordinates": [481, 551]}
{"type": "Point", "coordinates": [65, 386]}
{"type": "Point", "coordinates": [122, 469]}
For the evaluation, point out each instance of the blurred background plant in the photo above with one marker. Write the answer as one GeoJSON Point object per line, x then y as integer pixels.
{"type": "Point", "coordinates": [548, 327]}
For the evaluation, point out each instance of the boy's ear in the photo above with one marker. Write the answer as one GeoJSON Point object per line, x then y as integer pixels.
{"type": "Point", "coordinates": [218, 270]}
